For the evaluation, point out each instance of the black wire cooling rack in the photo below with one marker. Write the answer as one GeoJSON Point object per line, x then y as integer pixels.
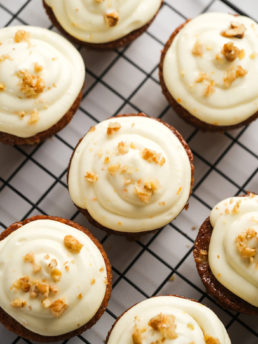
{"type": "Point", "coordinates": [33, 179]}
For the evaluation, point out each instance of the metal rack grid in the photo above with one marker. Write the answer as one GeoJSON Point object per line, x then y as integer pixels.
{"type": "Point", "coordinates": [33, 179]}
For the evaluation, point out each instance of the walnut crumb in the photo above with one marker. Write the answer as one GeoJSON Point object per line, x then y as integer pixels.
{"type": "Point", "coordinates": [34, 117]}
{"type": "Point", "coordinates": [37, 68]}
{"type": "Point", "coordinates": [72, 244]}
{"type": "Point", "coordinates": [56, 275]}
{"type": "Point", "coordinates": [17, 303]}
{"type": "Point", "coordinates": [2, 87]}
{"type": "Point", "coordinates": [58, 307]}
{"type": "Point", "coordinates": [113, 127]}
{"type": "Point", "coordinates": [91, 177]}
{"type": "Point", "coordinates": [23, 284]}
{"type": "Point", "coordinates": [111, 18]}
{"type": "Point", "coordinates": [92, 129]}
{"type": "Point", "coordinates": [236, 207]}
{"type": "Point", "coordinates": [39, 289]}
{"type": "Point", "coordinates": [30, 85]}
{"type": "Point", "coordinates": [93, 281]}
{"type": "Point", "coordinates": [190, 326]}
{"type": "Point", "coordinates": [153, 157]}
{"type": "Point", "coordinates": [165, 325]}
{"type": "Point", "coordinates": [236, 30]}
{"type": "Point", "coordinates": [232, 74]}
{"type": "Point", "coordinates": [113, 169]}
{"type": "Point", "coordinates": [144, 192]}
{"type": "Point", "coordinates": [211, 340]}
{"type": "Point", "coordinates": [46, 303]}
{"type": "Point", "coordinates": [230, 51]}
{"type": "Point", "coordinates": [137, 336]}
{"type": "Point", "coordinates": [197, 49]}
{"type": "Point", "coordinates": [79, 296]}
{"type": "Point", "coordinates": [21, 35]}
{"type": "Point", "coordinates": [122, 148]}
{"type": "Point", "coordinates": [242, 243]}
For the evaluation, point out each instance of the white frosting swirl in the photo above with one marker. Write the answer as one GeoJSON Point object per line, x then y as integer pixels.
{"type": "Point", "coordinates": [230, 219]}
{"type": "Point", "coordinates": [84, 19]}
{"type": "Point", "coordinates": [50, 58]}
{"type": "Point", "coordinates": [115, 199]}
{"type": "Point", "coordinates": [44, 238]}
{"type": "Point", "coordinates": [223, 105]}
{"type": "Point", "coordinates": [194, 322]}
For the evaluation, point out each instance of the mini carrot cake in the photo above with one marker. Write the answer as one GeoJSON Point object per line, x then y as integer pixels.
{"type": "Point", "coordinates": [226, 253]}
{"type": "Point", "coordinates": [208, 71]}
{"type": "Point", "coordinates": [131, 174]}
{"type": "Point", "coordinates": [102, 24]}
{"type": "Point", "coordinates": [41, 77]}
{"type": "Point", "coordinates": [55, 279]}
{"type": "Point", "coordinates": [168, 319]}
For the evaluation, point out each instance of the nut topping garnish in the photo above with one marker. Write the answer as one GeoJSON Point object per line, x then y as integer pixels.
{"type": "Point", "coordinates": [242, 244]}
{"type": "Point", "coordinates": [34, 117]}
{"type": "Point", "coordinates": [58, 307]}
{"type": "Point", "coordinates": [211, 340]}
{"type": "Point", "coordinates": [145, 192]}
{"type": "Point", "coordinates": [56, 275]}
{"type": "Point", "coordinates": [72, 244]}
{"type": "Point", "coordinates": [165, 325]}
{"type": "Point", "coordinates": [236, 30]}
{"type": "Point", "coordinates": [39, 289]}
{"type": "Point", "coordinates": [122, 148]}
{"type": "Point", "coordinates": [232, 74]}
{"type": "Point", "coordinates": [46, 303]}
{"type": "Point", "coordinates": [113, 169]}
{"type": "Point", "coordinates": [17, 303]}
{"type": "Point", "coordinates": [91, 177]}
{"type": "Point", "coordinates": [23, 284]}
{"type": "Point", "coordinates": [21, 35]}
{"type": "Point", "coordinates": [137, 336]}
{"type": "Point", "coordinates": [113, 127]}
{"type": "Point", "coordinates": [153, 157]}
{"type": "Point", "coordinates": [197, 49]}
{"type": "Point", "coordinates": [37, 68]}
{"type": "Point", "coordinates": [111, 18]}
{"type": "Point", "coordinates": [2, 86]}
{"type": "Point", "coordinates": [30, 85]}
{"type": "Point", "coordinates": [230, 51]}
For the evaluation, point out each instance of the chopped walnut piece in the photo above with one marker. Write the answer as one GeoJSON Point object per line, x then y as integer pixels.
{"type": "Point", "coordinates": [5, 57]}
{"type": "Point", "coordinates": [56, 275]}
{"type": "Point", "coordinates": [58, 307]}
{"type": "Point", "coordinates": [230, 51]}
{"type": "Point", "coordinates": [17, 303]}
{"type": "Point", "coordinates": [53, 289]}
{"type": "Point", "coordinates": [122, 148]}
{"type": "Point", "coordinates": [2, 87]}
{"type": "Point", "coordinates": [211, 340]}
{"type": "Point", "coordinates": [236, 207]}
{"type": "Point", "coordinates": [197, 49]}
{"type": "Point", "coordinates": [202, 77]}
{"type": "Point", "coordinates": [236, 30]}
{"type": "Point", "coordinates": [242, 241]}
{"type": "Point", "coordinates": [21, 35]}
{"type": "Point", "coordinates": [106, 160]}
{"type": "Point", "coordinates": [91, 177]}
{"type": "Point", "coordinates": [34, 117]}
{"type": "Point", "coordinates": [39, 288]}
{"type": "Point", "coordinates": [37, 68]}
{"type": "Point", "coordinates": [99, 1]}
{"type": "Point", "coordinates": [36, 268]}
{"type": "Point", "coordinates": [29, 258]}
{"type": "Point", "coordinates": [46, 303]}
{"type": "Point", "coordinates": [145, 192]}
{"type": "Point", "coordinates": [92, 129]}
{"type": "Point", "coordinates": [23, 284]}
{"type": "Point", "coordinates": [209, 89]}
{"type": "Point", "coordinates": [53, 264]}
{"type": "Point", "coordinates": [232, 74]}
{"type": "Point", "coordinates": [93, 281]}
{"type": "Point", "coordinates": [113, 169]}
{"type": "Point", "coordinates": [113, 127]}
{"type": "Point", "coordinates": [79, 296]}
{"type": "Point", "coordinates": [72, 244]}
{"type": "Point", "coordinates": [153, 157]}
{"type": "Point", "coordinates": [137, 336]}
{"type": "Point", "coordinates": [165, 325]}
{"type": "Point", "coordinates": [30, 85]}
{"type": "Point", "coordinates": [111, 18]}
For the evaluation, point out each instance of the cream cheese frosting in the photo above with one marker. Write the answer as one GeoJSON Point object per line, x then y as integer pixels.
{"type": "Point", "coordinates": [233, 249]}
{"type": "Point", "coordinates": [41, 75]}
{"type": "Point", "coordinates": [211, 68]}
{"type": "Point", "coordinates": [52, 276]}
{"type": "Point", "coordinates": [168, 319]}
{"type": "Point", "coordinates": [102, 21]}
{"type": "Point", "coordinates": [131, 173]}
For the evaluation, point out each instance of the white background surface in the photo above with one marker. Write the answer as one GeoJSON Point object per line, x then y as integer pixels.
{"type": "Point", "coordinates": [33, 179]}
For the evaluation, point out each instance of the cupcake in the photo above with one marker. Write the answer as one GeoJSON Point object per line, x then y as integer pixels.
{"type": "Point", "coordinates": [131, 174]}
{"type": "Point", "coordinates": [55, 279]}
{"type": "Point", "coordinates": [226, 253]}
{"type": "Point", "coordinates": [41, 77]}
{"type": "Point", "coordinates": [102, 24]}
{"type": "Point", "coordinates": [208, 71]}
{"type": "Point", "coordinates": [167, 319]}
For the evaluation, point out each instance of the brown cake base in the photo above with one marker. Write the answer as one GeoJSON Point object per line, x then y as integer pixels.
{"type": "Point", "coordinates": [12, 325]}
{"type": "Point", "coordinates": [35, 139]}
{"type": "Point", "coordinates": [180, 110]}
{"type": "Point", "coordinates": [225, 297]}
{"type": "Point", "coordinates": [118, 43]}
{"type": "Point", "coordinates": [136, 235]}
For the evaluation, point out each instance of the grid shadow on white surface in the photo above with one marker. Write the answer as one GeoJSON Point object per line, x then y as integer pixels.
{"type": "Point", "coordinates": [33, 179]}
